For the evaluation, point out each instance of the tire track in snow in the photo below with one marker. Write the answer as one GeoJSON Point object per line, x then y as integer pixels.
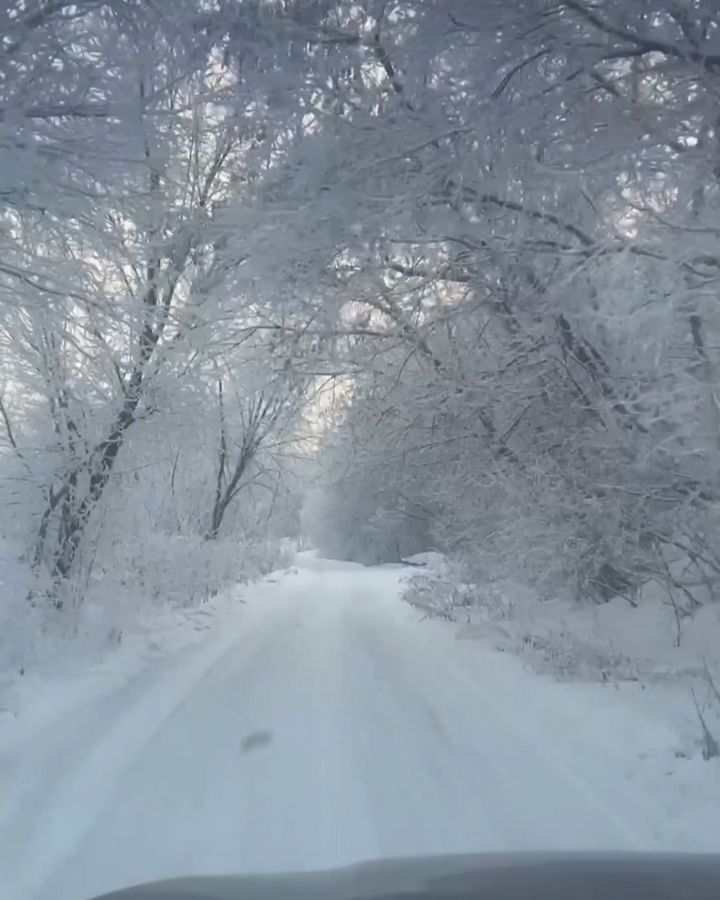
{"type": "Point", "coordinates": [523, 750]}
{"type": "Point", "coordinates": [381, 737]}
{"type": "Point", "coordinates": [80, 793]}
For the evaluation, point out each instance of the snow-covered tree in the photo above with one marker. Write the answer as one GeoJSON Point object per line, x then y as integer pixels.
{"type": "Point", "coordinates": [534, 232]}
{"type": "Point", "coordinates": [493, 231]}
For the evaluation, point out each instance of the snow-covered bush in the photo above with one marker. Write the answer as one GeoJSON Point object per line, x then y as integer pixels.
{"type": "Point", "coordinates": [182, 570]}
{"type": "Point", "coordinates": [159, 568]}
{"type": "Point", "coordinates": [436, 597]}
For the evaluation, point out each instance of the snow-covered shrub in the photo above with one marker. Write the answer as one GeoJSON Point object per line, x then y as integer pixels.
{"type": "Point", "coordinates": [565, 654]}
{"type": "Point", "coordinates": [170, 568]}
{"type": "Point", "coordinates": [183, 570]}
{"type": "Point", "coordinates": [436, 597]}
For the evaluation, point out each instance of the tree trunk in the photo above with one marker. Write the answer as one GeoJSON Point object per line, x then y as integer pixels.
{"type": "Point", "coordinates": [74, 511]}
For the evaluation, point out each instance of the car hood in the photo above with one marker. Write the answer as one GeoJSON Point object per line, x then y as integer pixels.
{"type": "Point", "coordinates": [526, 876]}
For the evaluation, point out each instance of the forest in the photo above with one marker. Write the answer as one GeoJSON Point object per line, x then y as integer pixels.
{"type": "Point", "coordinates": [382, 277]}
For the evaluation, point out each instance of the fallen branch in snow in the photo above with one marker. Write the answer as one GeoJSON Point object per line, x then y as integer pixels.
{"type": "Point", "coordinates": [711, 682]}
{"type": "Point", "coordinates": [710, 749]}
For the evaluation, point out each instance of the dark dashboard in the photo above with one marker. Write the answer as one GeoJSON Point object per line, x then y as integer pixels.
{"type": "Point", "coordinates": [527, 876]}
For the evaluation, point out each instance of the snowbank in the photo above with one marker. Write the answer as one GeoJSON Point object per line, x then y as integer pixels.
{"type": "Point", "coordinates": [667, 664]}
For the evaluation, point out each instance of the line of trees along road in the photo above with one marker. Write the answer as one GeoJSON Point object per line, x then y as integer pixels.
{"type": "Point", "coordinates": [491, 228]}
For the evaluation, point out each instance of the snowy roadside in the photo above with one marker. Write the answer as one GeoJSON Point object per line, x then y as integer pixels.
{"type": "Point", "coordinates": [612, 682]}
{"type": "Point", "coordinates": [101, 654]}
{"type": "Point", "coordinates": [614, 642]}
{"type": "Point", "coordinates": [69, 728]}
{"type": "Point", "coordinates": [361, 714]}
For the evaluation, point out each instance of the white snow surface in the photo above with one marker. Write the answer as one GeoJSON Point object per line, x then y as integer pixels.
{"type": "Point", "coordinates": [322, 722]}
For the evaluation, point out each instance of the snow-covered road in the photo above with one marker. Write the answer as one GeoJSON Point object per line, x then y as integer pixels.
{"type": "Point", "coordinates": [322, 724]}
